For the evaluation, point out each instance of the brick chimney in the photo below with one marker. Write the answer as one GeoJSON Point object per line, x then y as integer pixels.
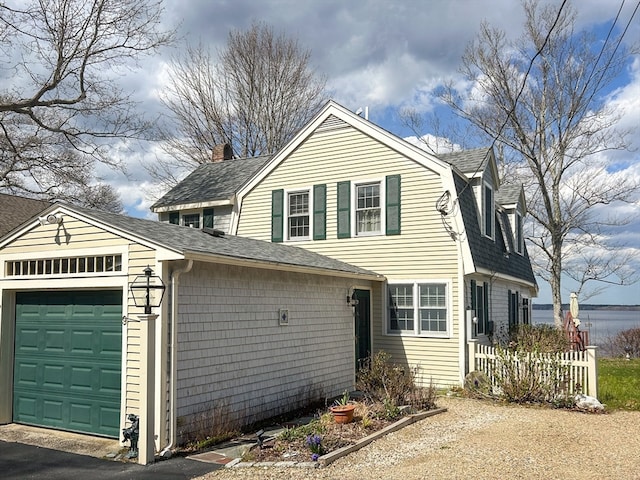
{"type": "Point", "coordinates": [221, 152]}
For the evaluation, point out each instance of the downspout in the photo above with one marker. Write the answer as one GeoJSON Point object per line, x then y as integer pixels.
{"type": "Point", "coordinates": [175, 278]}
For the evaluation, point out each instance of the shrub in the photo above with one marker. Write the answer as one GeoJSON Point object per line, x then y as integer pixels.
{"type": "Point", "coordinates": [533, 376]}
{"type": "Point", "coordinates": [393, 385]}
{"type": "Point", "coordinates": [538, 338]}
{"type": "Point", "coordinates": [627, 339]}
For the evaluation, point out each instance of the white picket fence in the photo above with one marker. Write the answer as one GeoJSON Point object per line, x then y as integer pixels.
{"type": "Point", "coordinates": [581, 365]}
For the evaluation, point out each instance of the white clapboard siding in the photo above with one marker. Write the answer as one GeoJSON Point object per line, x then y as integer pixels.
{"type": "Point", "coordinates": [424, 249]}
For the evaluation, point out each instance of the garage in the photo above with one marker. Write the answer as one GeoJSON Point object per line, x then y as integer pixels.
{"type": "Point", "coordinates": [68, 360]}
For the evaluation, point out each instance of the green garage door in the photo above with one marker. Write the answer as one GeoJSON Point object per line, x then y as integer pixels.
{"type": "Point", "coordinates": [68, 360]}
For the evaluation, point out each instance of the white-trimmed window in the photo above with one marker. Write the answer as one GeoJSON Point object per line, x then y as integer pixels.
{"type": "Point", "coordinates": [191, 220]}
{"type": "Point", "coordinates": [368, 211]}
{"type": "Point", "coordinates": [419, 308]}
{"type": "Point", "coordinates": [298, 215]}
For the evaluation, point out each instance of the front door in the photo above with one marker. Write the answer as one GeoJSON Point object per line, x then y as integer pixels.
{"type": "Point", "coordinates": [362, 326]}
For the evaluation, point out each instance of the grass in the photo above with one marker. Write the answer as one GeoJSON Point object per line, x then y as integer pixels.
{"type": "Point", "coordinates": [619, 383]}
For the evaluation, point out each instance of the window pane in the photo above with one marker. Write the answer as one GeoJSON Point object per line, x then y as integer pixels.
{"type": "Point", "coordinates": [368, 208]}
{"type": "Point", "coordinates": [401, 307]}
{"type": "Point", "coordinates": [298, 215]}
{"type": "Point", "coordinates": [433, 307]}
{"type": "Point", "coordinates": [192, 221]}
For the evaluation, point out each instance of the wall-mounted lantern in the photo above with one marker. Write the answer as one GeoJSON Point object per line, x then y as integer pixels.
{"type": "Point", "coordinates": [147, 290]}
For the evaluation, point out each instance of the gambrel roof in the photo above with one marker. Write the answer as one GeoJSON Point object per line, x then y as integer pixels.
{"type": "Point", "coordinates": [489, 254]}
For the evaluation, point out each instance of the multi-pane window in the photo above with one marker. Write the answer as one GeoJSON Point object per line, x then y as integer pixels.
{"type": "Point", "coordinates": [368, 212]}
{"type": "Point", "coordinates": [64, 265]}
{"type": "Point", "coordinates": [401, 308]}
{"type": "Point", "coordinates": [298, 214]}
{"type": "Point", "coordinates": [433, 307]}
{"type": "Point", "coordinates": [191, 220]}
{"type": "Point", "coordinates": [426, 302]}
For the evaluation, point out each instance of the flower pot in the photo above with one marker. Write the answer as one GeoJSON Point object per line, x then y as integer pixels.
{"type": "Point", "coordinates": [343, 413]}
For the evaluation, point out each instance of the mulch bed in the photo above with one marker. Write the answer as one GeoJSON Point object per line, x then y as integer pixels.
{"type": "Point", "coordinates": [333, 436]}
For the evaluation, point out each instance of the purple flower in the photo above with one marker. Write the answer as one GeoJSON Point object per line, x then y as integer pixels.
{"type": "Point", "coordinates": [315, 457]}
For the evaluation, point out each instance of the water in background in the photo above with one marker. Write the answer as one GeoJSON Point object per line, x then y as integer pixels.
{"type": "Point", "coordinates": [601, 324]}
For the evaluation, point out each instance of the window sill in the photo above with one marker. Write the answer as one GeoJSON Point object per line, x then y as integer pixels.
{"type": "Point", "coordinates": [442, 335]}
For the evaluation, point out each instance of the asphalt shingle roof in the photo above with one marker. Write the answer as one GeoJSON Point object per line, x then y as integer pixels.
{"type": "Point", "coordinates": [489, 254]}
{"type": "Point", "coordinates": [467, 161]}
{"type": "Point", "coordinates": [186, 239]}
{"type": "Point", "coordinates": [213, 181]}
{"type": "Point", "coordinates": [509, 193]}
{"type": "Point", "coordinates": [15, 210]}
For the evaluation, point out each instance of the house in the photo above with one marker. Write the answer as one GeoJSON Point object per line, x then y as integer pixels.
{"type": "Point", "coordinates": [207, 196]}
{"type": "Point", "coordinates": [439, 228]}
{"type": "Point", "coordinates": [15, 210]}
{"type": "Point", "coordinates": [246, 329]}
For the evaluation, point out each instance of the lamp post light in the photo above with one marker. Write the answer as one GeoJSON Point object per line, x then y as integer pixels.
{"type": "Point", "coordinates": [147, 290]}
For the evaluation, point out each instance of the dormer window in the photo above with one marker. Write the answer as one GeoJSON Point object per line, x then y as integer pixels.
{"type": "Point", "coordinates": [488, 210]}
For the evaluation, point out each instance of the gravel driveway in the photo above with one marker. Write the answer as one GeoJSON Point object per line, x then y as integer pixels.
{"type": "Point", "coordinates": [479, 440]}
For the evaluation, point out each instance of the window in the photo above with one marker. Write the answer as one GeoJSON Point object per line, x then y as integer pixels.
{"type": "Point", "coordinates": [426, 302]}
{"type": "Point", "coordinates": [174, 218]}
{"type": "Point", "coordinates": [192, 220]}
{"type": "Point", "coordinates": [526, 319]}
{"type": "Point", "coordinates": [298, 214]}
{"type": "Point", "coordinates": [519, 239]}
{"type": "Point", "coordinates": [368, 208]}
{"type": "Point", "coordinates": [64, 265]}
{"type": "Point", "coordinates": [488, 211]}
{"type": "Point", "coordinates": [401, 308]}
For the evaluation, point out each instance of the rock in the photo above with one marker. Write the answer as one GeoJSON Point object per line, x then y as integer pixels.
{"type": "Point", "coordinates": [591, 404]}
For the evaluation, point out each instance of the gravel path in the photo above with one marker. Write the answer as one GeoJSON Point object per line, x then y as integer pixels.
{"type": "Point", "coordinates": [480, 440]}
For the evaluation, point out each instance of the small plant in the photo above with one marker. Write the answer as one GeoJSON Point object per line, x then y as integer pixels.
{"type": "Point", "coordinates": [314, 443]}
{"type": "Point", "coordinates": [537, 338]}
{"type": "Point", "coordinates": [344, 400]}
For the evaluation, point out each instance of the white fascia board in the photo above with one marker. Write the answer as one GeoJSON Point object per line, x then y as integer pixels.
{"type": "Point", "coordinates": [196, 205]}
{"type": "Point", "coordinates": [508, 278]}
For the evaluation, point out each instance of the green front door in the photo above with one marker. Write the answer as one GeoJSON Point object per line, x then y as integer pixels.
{"type": "Point", "coordinates": [362, 326]}
{"type": "Point", "coordinates": [68, 360]}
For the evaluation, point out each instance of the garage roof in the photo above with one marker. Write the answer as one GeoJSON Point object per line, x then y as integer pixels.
{"type": "Point", "coordinates": [186, 241]}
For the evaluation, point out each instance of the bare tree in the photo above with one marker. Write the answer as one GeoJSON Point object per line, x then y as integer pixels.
{"type": "Point", "coordinates": [59, 100]}
{"type": "Point", "coordinates": [542, 98]}
{"type": "Point", "coordinates": [257, 93]}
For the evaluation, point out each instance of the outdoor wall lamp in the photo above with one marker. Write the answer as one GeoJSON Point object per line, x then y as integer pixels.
{"type": "Point", "coordinates": [147, 290]}
{"type": "Point", "coordinates": [351, 297]}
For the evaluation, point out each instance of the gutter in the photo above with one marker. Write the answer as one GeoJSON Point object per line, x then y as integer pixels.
{"type": "Point", "coordinates": [175, 279]}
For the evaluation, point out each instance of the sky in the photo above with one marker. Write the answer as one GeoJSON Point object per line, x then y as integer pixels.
{"type": "Point", "coordinates": [379, 54]}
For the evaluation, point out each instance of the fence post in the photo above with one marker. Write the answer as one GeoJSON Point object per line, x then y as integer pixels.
{"type": "Point", "coordinates": [471, 349]}
{"type": "Point", "coordinates": [593, 371]}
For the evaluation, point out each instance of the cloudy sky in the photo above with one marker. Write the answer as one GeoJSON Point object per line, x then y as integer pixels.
{"type": "Point", "coordinates": [378, 54]}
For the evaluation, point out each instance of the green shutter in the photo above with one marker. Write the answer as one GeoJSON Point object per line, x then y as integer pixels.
{"type": "Point", "coordinates": [485, 293]}
{"type": "Point", "coordinates": [344, 209]}
{"type": "Point", "coordinates": [474, 291]}
{"type": "Point", "coordinates": [277, 209]}
{"type": "Point", "coordinates": [207, 218]}
{"type": "Point", "coordinates": [319, 212]}
{"type": "Point", "coordinates": [174, 217]}
{"type": "Point", "coordinates": [393, 204]}
{"type": "Point", "coordinates": [510, 308]}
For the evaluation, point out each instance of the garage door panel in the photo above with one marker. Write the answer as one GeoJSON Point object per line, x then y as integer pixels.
{"type": "Point", "coordinates": [67, 370]}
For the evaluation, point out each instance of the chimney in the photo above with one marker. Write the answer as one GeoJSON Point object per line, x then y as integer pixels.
{"type": "Point", "coordinates": [221, 152]}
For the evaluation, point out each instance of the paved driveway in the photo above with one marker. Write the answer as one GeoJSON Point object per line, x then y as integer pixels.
{"type": "Point", "coordinates": [19, 461]}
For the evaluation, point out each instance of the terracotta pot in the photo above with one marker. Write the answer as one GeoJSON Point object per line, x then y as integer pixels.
{"type": "Point", "coordinates": [343, 413]}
